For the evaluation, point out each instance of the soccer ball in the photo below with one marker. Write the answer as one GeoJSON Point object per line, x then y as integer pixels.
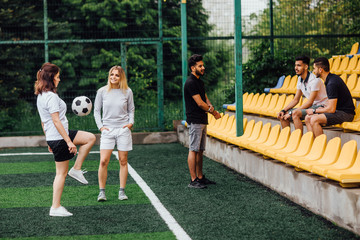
{"type": "Point", "coordinates": [81, 106]}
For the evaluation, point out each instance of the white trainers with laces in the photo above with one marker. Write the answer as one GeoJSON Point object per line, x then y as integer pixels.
{"type": "Point", "coordinates": [122, 195]}
{"type": "Point", "coordinates": [59, 212]}
{"type": "Point", "coordinates": [101, 197]}
{"type": "Point", "coordinates": [78, 175]}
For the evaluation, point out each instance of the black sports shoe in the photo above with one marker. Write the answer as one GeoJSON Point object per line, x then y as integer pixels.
{"type": "Point", "coordinates": [196, 184]}
{"type": "Point", "coordinates": [206, 181]}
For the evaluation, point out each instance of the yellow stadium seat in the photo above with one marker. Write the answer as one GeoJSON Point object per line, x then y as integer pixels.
{"type": "Point", "coordinates": [232, 132]}
{"type": "Point", "coordinates": [347, 177]}
{"type": "Point", "coordinates": [239, 141]}
{"type": "Point", "coordinates": [247, 132]}
{"type": "Point", "coordinates": [356, 69]}
{"type": "Point", "coordinates": [263, 105]}
{"type": "Point", "coordinates": [345, 160]}
{"type": "Point", "coordinates": [263, 136]}
{"type": "Point", "coordinates": [303, 148]}
{"type": "Point", "coordinates": [271, 105]}
{"type": "Point", "coordinates": [283, 87]}
{"type": "Point", "coordinates": [356, 91]}
{"type": "Point", "coordinates": [279, 105]}
{"type": "Point", "coordinates": [253, 102]}
{"type": "Point", "coordinates": [343, 66]}
{"type": "Point", "coordinates": [233, 106]}
{"type": "Point", "coordinates": [259, 102]}
{"type": "Point", "coordinates": [291, 89]}
{"type": "Point", "coordinates": [221, 134]}
{"type": "Point", "coordinates": [289, 147]}
{"type": "Point", "coordinates": [280, 143]}
{"type": "Point", "coordinates": [351, 81]}
{"type": "Point", "coordinates": [352, 64]}
{"type": "Point", "coordinates": [278, 108]}
{"type": "Point", "coordinates": [248, 100]}
{"type": "Point", "coordinates": [355, 124]}
{"type": "Point", "coordinates": [330, 155]}
{"type": "Point", "coordinates": [216, 125]}
{"type": "Point", "coordinates": [344, 77]}
{"type": "Point", "coordinates": [211, 119]}
{"type": "Point", "coordinates": [331, 60]}
{"type": "Point", "coordinates": [316, 152]}
{"type": "Point", "coordinates": [270, 140]}
{"type": "Point", "coordinates": [335, 65]}
{"type": "Point", "coordinates": [354, 48]}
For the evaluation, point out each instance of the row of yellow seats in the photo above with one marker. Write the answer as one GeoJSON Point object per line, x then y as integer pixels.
{"type": "Point", "coordinates": [288, 87]}
{"type": "Point", "coordinates": [265, 104]}
{"type": "Point", "coordinates": [345, 65]}
{"type": "Point", "coordinates": [301, 151]}
{"type": "Point", "coordinates": [223, 128]}
{"type": "Point", "coordinates": [353, 83]}
{"type": "Point", "coordinates": [354, 50]}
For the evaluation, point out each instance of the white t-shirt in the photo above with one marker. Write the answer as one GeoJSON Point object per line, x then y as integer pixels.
{"type": "Point", "coordinates": [48, 103]}
{"type": "Point", "coordinates": [313, 84]}
{"type": "Point", "coordinates": [117, 107]}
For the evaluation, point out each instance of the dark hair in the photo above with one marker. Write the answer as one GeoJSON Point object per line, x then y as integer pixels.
{"type": "Point", "coordinates": [304, 59]}
{"type": "Point", "coordinates": [322, 62]}
{"type": "Point", "coordinates": [45, 78]}
{"type": "Point", "coordinates": [194, 59]}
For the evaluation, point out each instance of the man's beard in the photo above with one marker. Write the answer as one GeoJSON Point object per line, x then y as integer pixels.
{"type": "Point", "coordinates": [199, 73]}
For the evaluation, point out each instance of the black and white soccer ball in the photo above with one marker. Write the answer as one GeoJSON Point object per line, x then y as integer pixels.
{"type": "Point", "coordinates": [81, 106]}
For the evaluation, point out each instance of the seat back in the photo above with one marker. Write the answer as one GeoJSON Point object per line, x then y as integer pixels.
{"type": "Point", "coordinates": [335, 65]}
{"type": "Point", "coordinates": [331, 60]}
{"type": "Point", "coordinates": [317, 148]}
{"type": "Point", "coordinates": [352, 63]}
{"type": "Point", "coordinates": [260, 102]}
{"type": "Point", "coordinates": [354, 48]}
{"type": "Point", "coordinates": [218, 121]}
{"type": "Point", "coordinates": [249, 128]}
{"type": "Point", "coordinates": [265, 103]}
{"type": "Point", "coordinates": [264, 134]}
{"type": "Point", "coordinates": [273, 102]}
{"type": "Point", "coordinates": [229, 124]}
{"type": "Point", "coordinates": [273, 135]}
{"type": "Point", "coordinates": [351, 81]}
{"type": "Point", "coordinates": [245, 95]}
{"type": "Point", "coordinates": [248, 99]}
{"type": "Point", "coordinates": [283, 138]}
{"type": "Point", "coordinates": [344, 77]}
{"type": "Point", "coordinates": [331, 152]}
{"type": "Point", "coordinates": [284, 86]}
{"type": "Point", "coordinates": [211, 119]}
{"type": "Point", "coordinates": [293, 142]}
{"type": "Point", "coordinates": [344, 64]}
{"type": "Point", "coordinates": [252, 103]}
{"type": "Point", "coordinates": [232, 131]}
{"type": "Point", "coordinates": [300, 102]}
{"type": "Point", "coordinates": [223, 123]}
{"type": "Point", "coordinates": [292, 85]}
{"type": "Point", "coordinates": [279, 105]}
{"type": "Point", "coordinates": [347, 155]}
{"type": "Point", "coordinates": [356, 165]}
{"type": "Point", "coordinates": [357, 114]}
{"type": "Point", "coordinates": [256, 131]}
{"type": "Point", "coordinates": [305, 144]}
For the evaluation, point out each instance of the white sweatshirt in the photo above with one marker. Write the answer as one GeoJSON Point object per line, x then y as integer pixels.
{"type": "Point", "coordinates": [117, 108]}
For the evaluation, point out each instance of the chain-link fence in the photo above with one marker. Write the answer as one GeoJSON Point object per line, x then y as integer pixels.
{"type": "Point", "coordinates": [86, 38]}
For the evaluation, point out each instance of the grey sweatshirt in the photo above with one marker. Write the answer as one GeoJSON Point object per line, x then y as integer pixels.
{"type": "Point", "coordinates": [117, 108]}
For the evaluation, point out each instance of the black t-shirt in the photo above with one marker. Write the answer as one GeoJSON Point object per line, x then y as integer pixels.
{"type": "Point", "coordinates": [336, 88]}
{"type": "Point", "coordinates": [194, 114]}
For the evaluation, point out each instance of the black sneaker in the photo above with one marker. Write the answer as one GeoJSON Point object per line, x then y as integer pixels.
{"type": "Point", "coordinates": [206, 181]}
{"type": "Point", "coordinates": [196, 184]}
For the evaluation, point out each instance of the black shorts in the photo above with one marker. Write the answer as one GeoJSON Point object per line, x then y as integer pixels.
{"type": "Point", "coordinates": [338, 117]}
{"type": "Point", "coordinates": [60, 149]}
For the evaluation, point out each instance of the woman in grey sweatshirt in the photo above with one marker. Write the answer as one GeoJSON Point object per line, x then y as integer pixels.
{"type": "Point", "coordinates": [115, 101]}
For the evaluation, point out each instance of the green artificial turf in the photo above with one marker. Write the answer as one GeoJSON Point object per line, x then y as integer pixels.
{"type": "Point", "coordinates": [235, 208]}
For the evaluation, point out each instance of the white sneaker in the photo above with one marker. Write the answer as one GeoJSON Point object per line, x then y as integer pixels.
{"type": "Point", "coordinates": [78, 175]}
{"type": "Point", "coordinates": [101, 197]}
{"type": "Point", "coordinates": [122, 195]}
{"type": "Point", "coordinates": [59, 212]}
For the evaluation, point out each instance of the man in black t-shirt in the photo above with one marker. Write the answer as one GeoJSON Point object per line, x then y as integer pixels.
{"type": "Point", "coordinates": [340, 107]}
{"type": "Point", "coordinates": [197, 106]}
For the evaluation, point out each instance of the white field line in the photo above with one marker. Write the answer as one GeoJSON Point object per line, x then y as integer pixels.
{"type": "Point", "coordinates": [29, 154]}
{"type": "Point", "coordinates": [173, 225]}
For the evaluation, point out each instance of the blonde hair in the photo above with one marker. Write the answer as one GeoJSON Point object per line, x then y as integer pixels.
{"type": "Point", "coordinates": [123, 81]}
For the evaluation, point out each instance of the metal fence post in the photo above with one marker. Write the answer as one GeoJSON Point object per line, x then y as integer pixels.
{"type": "Point", "coordinates": [271, 27]}
{"type": "Point", "coordinates": [160, 73]}
{"type": "Point", "coordinates": [123, 57]}
{"type": "Point", "coordinates": [183, 50]}
{"type": "Point", "coordinates": [238, 69]}
{"type": "Point", "coordinates": [46, 37]}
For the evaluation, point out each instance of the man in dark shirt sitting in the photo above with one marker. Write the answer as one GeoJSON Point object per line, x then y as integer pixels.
{"type": "Point", "coordinates": [340, 107]}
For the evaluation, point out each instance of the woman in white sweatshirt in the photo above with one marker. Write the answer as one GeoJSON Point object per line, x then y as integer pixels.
{"type": "Point", "coordinates": [116, 102]}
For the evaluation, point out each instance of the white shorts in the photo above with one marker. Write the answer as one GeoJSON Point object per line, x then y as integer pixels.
{"type": "Point", "coordinates": [121, 136]}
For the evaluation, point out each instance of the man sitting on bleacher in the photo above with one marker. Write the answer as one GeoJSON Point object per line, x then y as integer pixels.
{"type": "Point", "coordinates": [308, 85]}
{"type": "Point", "coordinates": [340, 107]}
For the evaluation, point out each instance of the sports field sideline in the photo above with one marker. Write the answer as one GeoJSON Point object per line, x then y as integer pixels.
{"type": "Point", "coordinates": [235, 208]}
